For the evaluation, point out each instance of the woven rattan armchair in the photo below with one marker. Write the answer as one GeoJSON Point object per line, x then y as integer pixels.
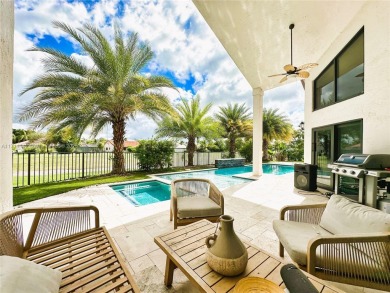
{"type": "Point", "coordinates": [361, 259]}
{"type": "Point", "coordinates": [68, 239]}
{"type": "Point", "coordinates": [194, 199]}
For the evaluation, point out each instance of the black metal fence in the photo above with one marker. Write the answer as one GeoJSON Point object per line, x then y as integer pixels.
{"type": "Point", "coordinates": [36, 168]}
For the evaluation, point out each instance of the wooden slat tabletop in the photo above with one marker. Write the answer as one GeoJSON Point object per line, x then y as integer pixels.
{"type": "Point", "coordinates": [185, 248]}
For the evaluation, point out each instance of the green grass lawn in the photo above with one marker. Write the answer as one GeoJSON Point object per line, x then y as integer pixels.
{"type": "Point", "coordinates": [34, 192]}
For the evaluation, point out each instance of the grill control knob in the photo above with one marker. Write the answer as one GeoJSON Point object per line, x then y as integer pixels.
{"type": "Point", "coordinates": [336, 169]}
{"type": "Point", "coordinates": [344, 171]}
{"type": "Point", "coordinates": [352, 172]}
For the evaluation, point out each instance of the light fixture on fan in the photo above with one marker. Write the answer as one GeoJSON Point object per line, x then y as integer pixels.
{"type": "Point", "coordinates": [292, 70]}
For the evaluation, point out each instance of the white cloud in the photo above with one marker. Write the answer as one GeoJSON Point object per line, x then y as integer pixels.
{"type": "Point", "coordinates": [182, 41]}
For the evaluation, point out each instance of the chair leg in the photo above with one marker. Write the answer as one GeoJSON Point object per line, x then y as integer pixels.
{"type": "Point", "coordinates": [281, 249]}
{"type": "Point", "coordinates": [170, 215]}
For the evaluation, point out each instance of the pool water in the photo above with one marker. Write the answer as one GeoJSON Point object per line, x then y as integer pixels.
{"type": "Point", "coordinates": [152, 191]}
{"type": "Point", "coordinates": [143, 193]}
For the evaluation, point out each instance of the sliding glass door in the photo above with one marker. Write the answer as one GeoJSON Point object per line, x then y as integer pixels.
{"type": "Point", "coordinates": [323, 155]}
{"type": "Point", "coordinates": [330, 142]}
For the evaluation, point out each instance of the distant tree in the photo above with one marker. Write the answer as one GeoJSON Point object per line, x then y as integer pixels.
{"type": "Point", "coordinates": [235, 119]}
{"type": "Point", "coordinates": [191, 122]}
{"type": "Point", "coordinates": [275, 127]}
{"type": "Point", "coordinates": [19, 135]}
{"type": "Point", "coordinates": [109, 92]}
{"type": "Point", "coordinates": [65, 139]}
{"type": "Point", "coordinates": [295, 147]}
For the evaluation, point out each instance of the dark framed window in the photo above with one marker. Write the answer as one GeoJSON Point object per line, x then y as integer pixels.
{"type": "Point", "coordinates": [343, 78]}
{"type": "Point", "coordinates": [330, 142]}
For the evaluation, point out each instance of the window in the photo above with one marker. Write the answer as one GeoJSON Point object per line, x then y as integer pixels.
{"type": "Point", "coordinates": [343, 78]}
{"type": "Point", "coordinates": [330, 142]}
{"type": "Point", "coordinates": [325, 90]}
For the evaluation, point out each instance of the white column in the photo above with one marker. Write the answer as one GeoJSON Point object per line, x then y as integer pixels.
{"type": "Point", "coordinates": [6, 89]}
{"type": "Point", "coordinates": [258, 94]}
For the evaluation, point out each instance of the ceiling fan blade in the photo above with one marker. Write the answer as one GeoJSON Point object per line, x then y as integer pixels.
{"type": "Point", "coordinates": [283, 79]}
{"type": "Point", "coordinates": [307, 66]}
{"type": "Point", "coordinates": [303, 74]}
{"type": "Point", "coordinates": [280, 74]}
{"type": "Point", "coordinates": [289, 67]}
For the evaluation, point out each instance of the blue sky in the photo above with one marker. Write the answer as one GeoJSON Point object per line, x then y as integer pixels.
{"type": "Point", "coordinates": [186, 51]}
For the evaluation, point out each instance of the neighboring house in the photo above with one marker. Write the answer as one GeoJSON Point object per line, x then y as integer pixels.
{"type": "Point", "coordinates": [347, 100]}
{"type": "Point", "coordinates": [20, 146]}
{"type": "Point", "coordinates": [88, 148]}
{"type": "Point", "coordinates": [109, 145]}
{"type": "Point", "coordinates": [180, 148]}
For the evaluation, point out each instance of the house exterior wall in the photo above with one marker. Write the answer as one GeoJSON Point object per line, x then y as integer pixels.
{"type": "Point", "coordinates": [374, 105]}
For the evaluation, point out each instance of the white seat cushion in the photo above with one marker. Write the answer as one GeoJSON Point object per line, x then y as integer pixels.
{"type": "Point", "coordinates": [295, 236]}
{"type": "Point", "coordinates": [197, 206]}
{"type": "Point", "coordinates": [19, 276]}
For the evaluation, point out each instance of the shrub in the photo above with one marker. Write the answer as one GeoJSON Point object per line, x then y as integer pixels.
{"type": "Point", "coordinates": [246, 150]}
{"type": "Point", "coordinates": [154, 154]}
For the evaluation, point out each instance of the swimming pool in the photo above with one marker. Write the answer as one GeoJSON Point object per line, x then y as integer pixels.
{"type": "Point", "coordinates": [152, 191]}
{"type": "Point", "coordinates": [145, 192]}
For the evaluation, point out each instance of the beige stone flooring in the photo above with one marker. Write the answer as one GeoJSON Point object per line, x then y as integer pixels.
{"type": "Point", "coordinates": [253, 205]}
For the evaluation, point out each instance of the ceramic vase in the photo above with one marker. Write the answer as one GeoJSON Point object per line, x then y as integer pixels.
{"type": "Point", "coordinates": [226, 254]}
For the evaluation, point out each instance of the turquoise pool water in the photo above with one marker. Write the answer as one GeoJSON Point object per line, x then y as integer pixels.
{"type": "Point", "coordinates": [143, 193]}
{"type": "Point", "coordinates": [152, 191]}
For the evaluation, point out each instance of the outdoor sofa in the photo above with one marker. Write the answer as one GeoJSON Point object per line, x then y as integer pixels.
{"type": "Point", "coordinates": [341, 241]}
{"type": "Point", "coordinates": [65, 250]}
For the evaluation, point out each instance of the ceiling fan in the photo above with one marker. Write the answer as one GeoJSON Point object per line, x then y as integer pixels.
{"type": "Point", "coordinates": [292, 70]}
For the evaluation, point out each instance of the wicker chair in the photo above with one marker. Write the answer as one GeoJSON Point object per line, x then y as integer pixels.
{"type": "Point", "coordinates": [194, 199]}
{"type": "Point", "coordinates": [341, 241]}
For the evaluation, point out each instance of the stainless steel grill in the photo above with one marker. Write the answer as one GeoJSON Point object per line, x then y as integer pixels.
{"type": "Point", "coordinates": [366, 169]}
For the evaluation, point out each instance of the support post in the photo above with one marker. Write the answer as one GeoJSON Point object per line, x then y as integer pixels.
{"type": "Point", "coordinates": [6, 96]}
{"type": "Point", "coordinates": [258, 94]}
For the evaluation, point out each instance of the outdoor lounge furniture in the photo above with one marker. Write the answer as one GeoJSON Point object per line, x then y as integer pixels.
{"type": "Point", "coordinates": [67, 240]}
{"type": "Point", "coordinates": [193, 199]}
{"type": "Point", "coordinates": [341, 241]}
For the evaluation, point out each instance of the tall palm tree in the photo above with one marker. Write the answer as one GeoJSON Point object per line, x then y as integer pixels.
{"type": "Point", "coordinates": [235, 119]}
{"type": "Point", "coordinates": [109, 92]}
{"type": "Point", "coordinates": [191, 122]}
{"type": "Point", "coordinates": [275, 126]}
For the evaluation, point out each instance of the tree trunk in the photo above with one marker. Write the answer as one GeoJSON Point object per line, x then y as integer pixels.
{"type": "Point", "coordinates": [191, 149]}
{"type": "Point", "coordinates": [265, 150]}
{"type": "Point", "coordinates": [232, 147]}
{"type": "Point", "coordinates": [118, 166]}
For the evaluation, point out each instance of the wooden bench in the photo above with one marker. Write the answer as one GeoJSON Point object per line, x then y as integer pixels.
{"type": "Point", "coordinates": [68, 239]}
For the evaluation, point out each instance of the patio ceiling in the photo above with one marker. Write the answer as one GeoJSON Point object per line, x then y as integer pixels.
{"type": "Point", "coordinates": [257, 37]}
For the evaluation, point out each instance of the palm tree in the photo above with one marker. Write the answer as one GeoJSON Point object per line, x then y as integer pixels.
{"type": "Point", "coordinates": [191, 122]}
{"type": "Point", "coordinates": [235, 120]}
{"type": "Point", "coordinates": [109, 92]}
{"type": "Point", "coordinates": [275, 126]}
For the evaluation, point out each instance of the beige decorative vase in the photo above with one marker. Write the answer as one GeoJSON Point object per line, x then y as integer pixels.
{"type": "Point", "coordinates": [226, 254]}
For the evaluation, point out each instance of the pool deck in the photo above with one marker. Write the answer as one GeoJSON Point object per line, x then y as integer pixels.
{"type": "Point", "coordinates": [254, 205]}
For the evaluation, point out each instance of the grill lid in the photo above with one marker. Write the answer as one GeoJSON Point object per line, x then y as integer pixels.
{"type": "Point", "coordinates": [374, 161]}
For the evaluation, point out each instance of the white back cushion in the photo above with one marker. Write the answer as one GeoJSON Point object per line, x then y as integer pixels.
{"type": "Point", "coordinates": [343, 216]}
{"type": "Point", "coordinates": [20, 276]}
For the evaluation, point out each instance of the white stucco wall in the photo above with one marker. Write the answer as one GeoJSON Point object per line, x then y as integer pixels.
{"type": "Point", "coordinates": [374, 105]}
{"type": "Point", "coordinates": [6, 89]}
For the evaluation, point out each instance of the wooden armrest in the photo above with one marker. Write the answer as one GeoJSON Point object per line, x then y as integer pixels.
{"type": "Point", "coordinates": [362, 241]}
{"type": "Point", "coordinates": [303, 213]}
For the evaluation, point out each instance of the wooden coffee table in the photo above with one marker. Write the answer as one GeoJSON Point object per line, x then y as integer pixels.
{"type": "Point", "coordinates": [185, 249]}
